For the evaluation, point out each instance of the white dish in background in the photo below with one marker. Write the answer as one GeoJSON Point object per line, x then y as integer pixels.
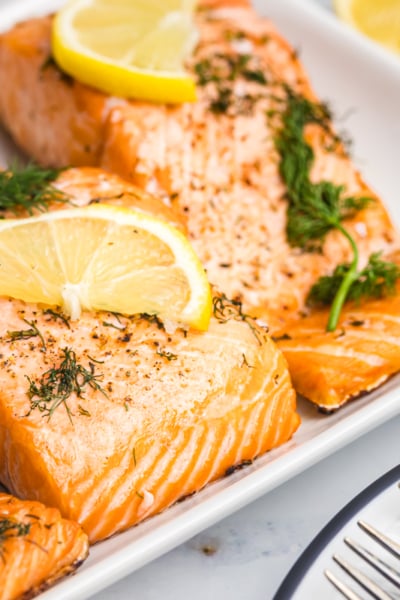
{"type": "Point", "coordinates": [355, 76]}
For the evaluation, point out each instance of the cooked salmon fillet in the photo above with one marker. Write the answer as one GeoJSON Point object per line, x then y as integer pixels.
{"type": "Point", "coordinates": [214, 162]}
{"type": "Point", "coordinates": [37, 547]}
{"type": "Point", "coordinates": [330, 368]}
{"type": "Point", "coordinates": [218, 169]}
{"type": "Point", "coordinates": [163, 414]}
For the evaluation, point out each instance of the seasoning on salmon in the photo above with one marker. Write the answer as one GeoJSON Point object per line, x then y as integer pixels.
{"type": "Point", "coordinates": [216, 162]}
{"type": "Point", "coordinates": [37, 547]}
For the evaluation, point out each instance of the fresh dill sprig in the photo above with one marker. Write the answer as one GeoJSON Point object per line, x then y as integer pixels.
{"type": "Point", "coordinates": [11, 529]}
{"type": "Point", "coordinates": [57, 384]}
{"type": "Point", "coordinates": [376, 280]}
{"type": "Point", "coordinates": [314, 209]}
{"type": "Point", "coordinates": [29, 188]}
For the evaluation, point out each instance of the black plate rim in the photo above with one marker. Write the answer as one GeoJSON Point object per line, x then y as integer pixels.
{"type": "Point", "coordinates": [305, 561]}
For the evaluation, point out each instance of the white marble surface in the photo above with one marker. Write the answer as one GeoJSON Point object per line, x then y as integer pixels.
{"type": "Point", "coordinates": [245, 556]}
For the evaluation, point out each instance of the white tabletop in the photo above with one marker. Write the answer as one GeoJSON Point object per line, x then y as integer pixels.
{"type": "Point", "coordinates": [246, 556]}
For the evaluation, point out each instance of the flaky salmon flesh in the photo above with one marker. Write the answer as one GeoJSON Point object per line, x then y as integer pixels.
{"type": "Point", "coordinates": [216, 165]}
{"type": "Point", "coordinates": [37, 547]}
{"type": "Point", "coordinates": [160, 416]}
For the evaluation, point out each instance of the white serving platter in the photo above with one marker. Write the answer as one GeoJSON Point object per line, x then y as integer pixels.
{"type": "Point", "coordinates": [358, 79]}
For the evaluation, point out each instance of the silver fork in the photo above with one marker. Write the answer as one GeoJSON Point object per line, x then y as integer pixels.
{"type": "Point", "coordinates": [379, 565]}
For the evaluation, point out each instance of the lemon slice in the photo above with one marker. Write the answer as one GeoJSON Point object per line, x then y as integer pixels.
{"type": "Point", "coordinates": [104, 258]}
{"type": "Point", "coordinates": [128, 48]}
{"type": "Point", "coordinates": [378, 19]}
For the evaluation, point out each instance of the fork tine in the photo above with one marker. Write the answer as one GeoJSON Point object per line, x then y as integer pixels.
{"type": "Point", "coordinates": [342, 587]}
{"type": "Point", "coordinates": [371, 587]}
{"type": "Point", "coordinates": [378, 564]}
{"type": "Point", "coordinates": [381, 538]}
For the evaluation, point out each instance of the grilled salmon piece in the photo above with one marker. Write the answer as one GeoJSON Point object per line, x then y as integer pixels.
{"type": "Point", "coordinates": [164, 414]}
{"type": "Point", "coordinates": [213, 161]}
{"type": "Point", "coordinates": [37, 547]}
{"type": "Point", "coordinates": [330, 368]}
{"type": "Point", "coordinates": [111, 419]}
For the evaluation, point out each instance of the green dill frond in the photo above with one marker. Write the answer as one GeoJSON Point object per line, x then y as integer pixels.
{"type": "Point", "coordinates": [309, 220]}
{"type": "Point", "coordinates": [376, 280]}
{"type": "Point", "coordinates": [352, 205]}
{"type": "Point", "coordinates": [325, 289]}
{"type": "Point", "coordinates": [29, 188]}
{"type": "Point", "coordinates": [313, 208]}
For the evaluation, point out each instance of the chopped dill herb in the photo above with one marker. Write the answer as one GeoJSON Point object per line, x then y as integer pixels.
{"type": "Point", "coordinates": [140, 495]}
{"type": "Point", "coordinates": [314, 209]}
{"type": "Point", "coordinates": [95, 360]}
{"type": "Point", "coordinates": [24, 334]}
{"type": "Point", "coordinates": [152, 319]}
{"type": "Point", "coordinates": [119, 325]}
{"type": "Point", "coordinates": [134, 456]}
{"type": "Point", "coordinates": [11, 529]}
{"type": "Point", "coordinates": [224, 310]}
{"type": "Point", "coordinates": [166, 354]}
{"type": "Point", "coordinates": [113, 325]}
{"type": "Point", "coordinates": [223, 70]}
{"type": "Point", "coordinates": [223, 101]}
{"type": "Point", "coordinates": [205, 72]}
{"type": "Point", "coordinates": [28, 188]}
{"type": "Point", "coordinates": [57, 384]}
{"type": "Point", "coordinates": [376, 280]}
{"type": "Point", "coordinates": [57, 315]}
{"type": "Point", "coordinates": [256, 75]}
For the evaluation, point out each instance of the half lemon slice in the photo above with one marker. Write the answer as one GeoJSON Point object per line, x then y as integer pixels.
{"type": "Point", "coordinates": [378, 19]}
{"type": "Point", "coordinates": [128, 48]}
{"type": "Point", "coordinates": [103, 257]}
